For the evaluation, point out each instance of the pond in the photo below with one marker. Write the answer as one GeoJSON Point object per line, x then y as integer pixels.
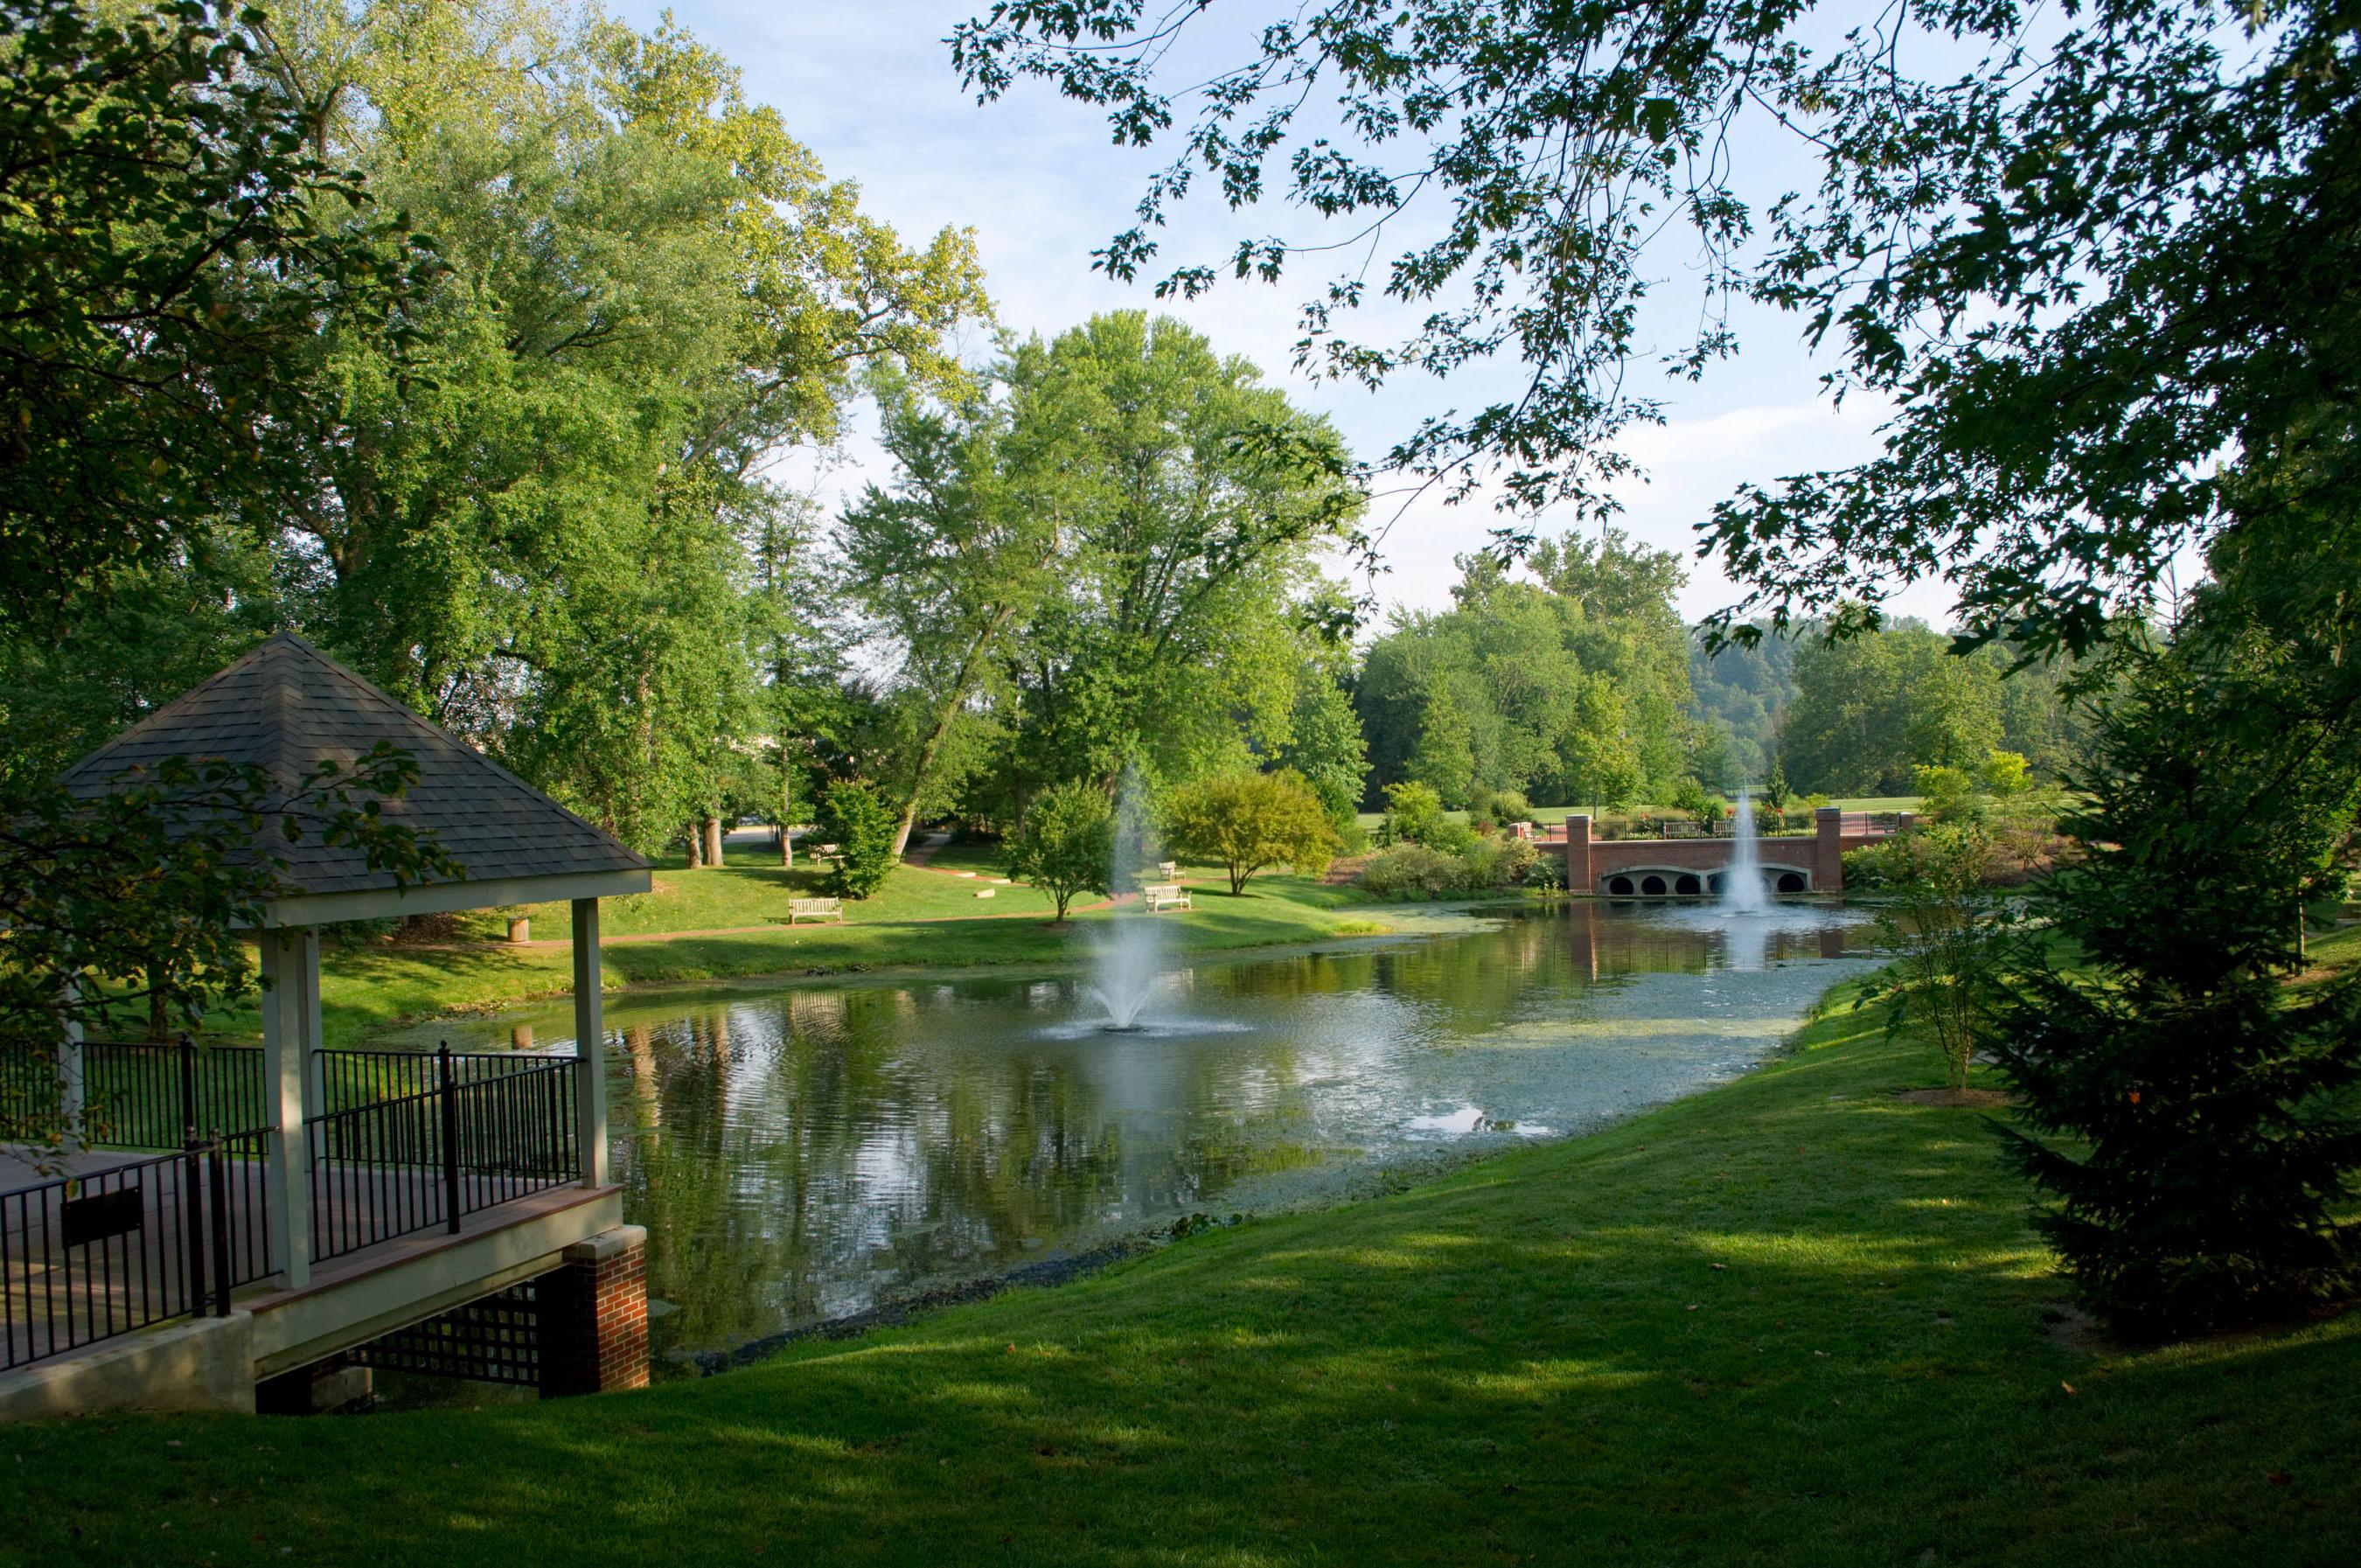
{"type": "Point", "coordinates": [804, 1153]}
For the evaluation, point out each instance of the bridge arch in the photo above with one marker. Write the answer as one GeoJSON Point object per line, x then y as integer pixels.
{"type": "Point", "coordinates": [1656, 881]}
{"type": "Point", "coordinates": [1776, 878]}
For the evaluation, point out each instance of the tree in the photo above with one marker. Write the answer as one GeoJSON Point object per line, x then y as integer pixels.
{"type": "Point", "coordinates": [1066, 844]}
{"type": "Point", "coordinates": [1191, 503]}
{"type": "Point", "coordinates": [547, 531]}
{"type": "Point", "coordinates": [1870, 708]}
{"type": "Point", "coordinates": [167, 243]}
{"type": "Point", "coordinates": [2003, 773]}
{"type": "Point", "coordinates": [862, 827]}
{"type": "Point", "coordinates": [948, 565]}
{"type": "Point", "coordinates": [1324, 744]}
{"type": "Point", "coordinates": [2085, 258]}
{"type": "Point", "coordinates": [1933, 917]}
{"type": "Point", "coordinates": [160, 629]}
{"type": "Point", "coordinates": [1249, 822]}
{"type": "Point", "coordinates": [1521, 686]}
{"type": "Point", "coordinates": [133, 904]}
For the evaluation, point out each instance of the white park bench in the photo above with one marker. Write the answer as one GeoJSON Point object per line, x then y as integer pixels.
{"type": "Point", "coordinates": [1163, 896]}
{"type": "Point", "coordinates": [1169, 869]}
{"type": "Point", "coordinates": [814, 909]}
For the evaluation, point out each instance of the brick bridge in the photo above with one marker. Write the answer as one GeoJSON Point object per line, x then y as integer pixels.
{"type": "Point", "coordinates": [1674, 867]}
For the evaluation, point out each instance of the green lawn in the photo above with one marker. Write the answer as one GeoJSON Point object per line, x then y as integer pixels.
{"type": "Point", "coordinates": [909, 923]}
{"type": "Point", "coordinates": [751, 888]}
{"type": "Point", "coordinates": [1788, 1320]}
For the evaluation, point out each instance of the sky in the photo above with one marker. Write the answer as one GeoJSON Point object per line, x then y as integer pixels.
{"type": "Point", "coordinates": [870, 89]}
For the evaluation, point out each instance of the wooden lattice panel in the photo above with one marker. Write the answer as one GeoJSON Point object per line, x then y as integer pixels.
{"type": "Point", "coordinates": [494, 1340]}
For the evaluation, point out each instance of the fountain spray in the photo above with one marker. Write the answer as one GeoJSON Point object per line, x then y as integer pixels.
{"type": "Point", "coordinates": [1741, 885]}
{"type": "Point", "coordinates": [1128, 953]}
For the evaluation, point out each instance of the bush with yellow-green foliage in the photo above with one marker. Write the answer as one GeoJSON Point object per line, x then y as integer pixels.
{"type": "Point", "coordinates": [1246, 823]}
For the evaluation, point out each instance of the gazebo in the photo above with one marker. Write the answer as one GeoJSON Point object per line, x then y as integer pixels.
{"type": "Point", "coordinates": [285, 707]}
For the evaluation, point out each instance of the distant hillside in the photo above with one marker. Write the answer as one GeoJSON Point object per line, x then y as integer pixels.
{"type": "Point", "coordinates": [1736, 696]}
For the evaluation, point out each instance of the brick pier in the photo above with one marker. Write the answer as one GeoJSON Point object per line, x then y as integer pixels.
{"type": "Point", "coordinates": [594, 1316]}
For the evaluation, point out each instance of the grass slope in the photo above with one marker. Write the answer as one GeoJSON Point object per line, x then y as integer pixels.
{"type": "Point", "coordinates": [1787, 1320]}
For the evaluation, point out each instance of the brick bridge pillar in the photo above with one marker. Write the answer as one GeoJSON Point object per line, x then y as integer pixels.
{"type": "Point", "coordinates": [594, 1316]}
{"type": "Point", "coordinates": [1577, 854]}
{"type": "Point", "coordinates": [1827, 869]}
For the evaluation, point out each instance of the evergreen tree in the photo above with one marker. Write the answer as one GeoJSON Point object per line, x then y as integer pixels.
{"type": "Point", "coordinates": [2190, 1125]}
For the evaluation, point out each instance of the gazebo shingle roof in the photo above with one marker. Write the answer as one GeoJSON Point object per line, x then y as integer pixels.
{"type": "Point", "coordinates": [287, 706]}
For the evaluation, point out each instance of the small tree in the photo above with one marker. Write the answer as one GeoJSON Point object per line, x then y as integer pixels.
{"type": "Point", "coordinates": [1935, 921]}
{"type": "Point", "coordinates": [143, 894]}
{"type": "Point", "coordinates": [1249, 822]}
{"type": "Point", "coordinates": [863, 829]}
{"type": "Point", "coordinates": [1067, 843]}
{"type": "Point", "coordinates": [1413, 814]}
{"type": "Point", "coordinates": [2004, 773]}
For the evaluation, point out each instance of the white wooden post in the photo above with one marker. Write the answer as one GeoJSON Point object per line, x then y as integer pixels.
{"type": "Point", "coordinates": [307, 1003]}
{"type": "Point", "coordinates": [288, 1004]}
{"type": "Point", "coordinates": [590, 1046]}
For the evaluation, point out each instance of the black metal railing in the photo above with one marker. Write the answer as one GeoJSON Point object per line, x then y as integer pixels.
{"type": "Point", "coordinates": [148, 1095]}
{"type": "Point", "coordinates": [137, 1094]}
{"type": "Point", "coordinates": [355, 1078]}
{"type": "Point", "coordinates": [487, 1129]}
{"type": "Point", "coordinates": [88, 1255]}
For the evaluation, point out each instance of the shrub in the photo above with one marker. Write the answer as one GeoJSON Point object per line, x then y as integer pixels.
{"type": "Point", "coordinates": [862, 827]}
{"type": "Point", "coordinates": [1066, 845]}
{"type": "Point", "coordinates": [1948, 795]}
{"type": "Point", "coordinates": [1865, 868]}
{"type": "Point", "coordinates": [1413, 871]}
{"type": "Point", "coordinates": [1500, 806]}
{"type": "Point", "coordinates": [1495, 862]}
{"type": "Point", "coordinates": [1413, 814]}
{"type": "Point", "coordinates": [1547, 874]}
{"type": "Point", "coordinates": [1248, 822]}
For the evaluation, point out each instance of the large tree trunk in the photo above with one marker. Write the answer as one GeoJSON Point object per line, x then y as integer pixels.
{"type": "Point", "coordinates": [943, 718]}
{"type": "Point", "coordinates": [696, 848]}
{"type": "Point", "coordinates": [927, 749]}
{"type": "Point", "coordinates": [786, 817]}
{"type": "Point", "coordinates": [713, 840]}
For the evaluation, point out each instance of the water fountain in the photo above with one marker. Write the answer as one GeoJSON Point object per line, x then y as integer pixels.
{"type": "Point", "coordinates": [1128, 954]}
{"type": "Point", "coordinates": [1742, 884]}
